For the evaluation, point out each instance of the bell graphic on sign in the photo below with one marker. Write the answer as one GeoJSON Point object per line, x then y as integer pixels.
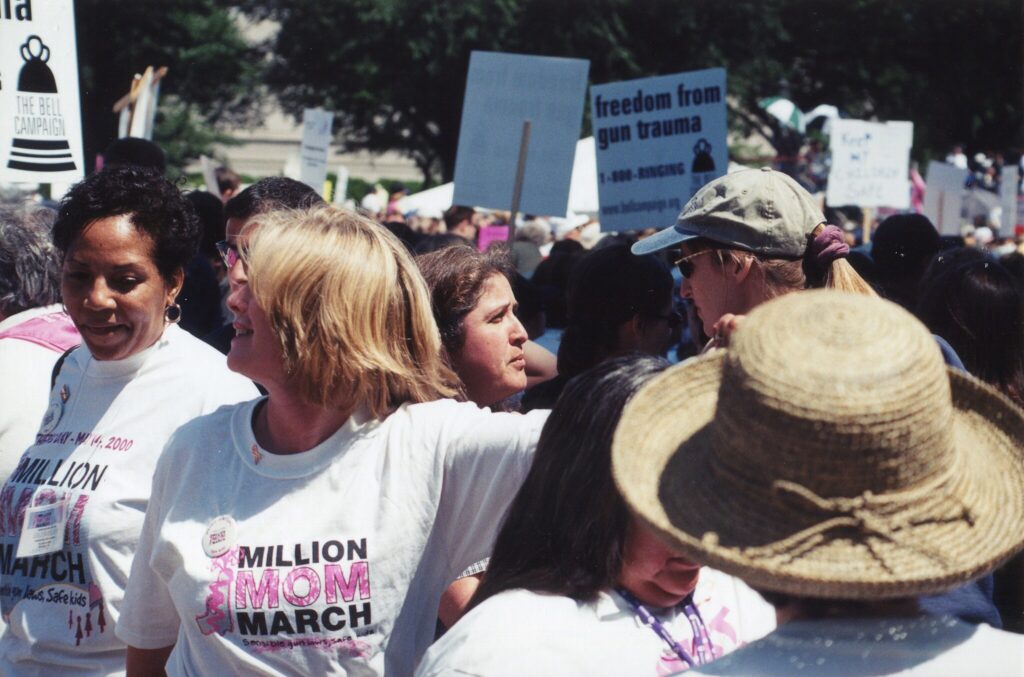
{"type": "Point", "coordinates": [40, 144]}
{"type": "Point", "coordinates": [703, 168]}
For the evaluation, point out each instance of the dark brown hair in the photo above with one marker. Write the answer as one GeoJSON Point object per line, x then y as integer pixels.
{"type": "Point", "coordinates": [456, 277]}
{"type": "Point", "coordinates": [566, 529]}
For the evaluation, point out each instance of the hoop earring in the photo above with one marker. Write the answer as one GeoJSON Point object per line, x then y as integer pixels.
{"type": "Point", "coordinates": [172, 314]}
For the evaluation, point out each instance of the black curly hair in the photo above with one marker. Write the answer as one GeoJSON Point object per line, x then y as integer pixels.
{"type": "Point", "coordinates": [155, 206]}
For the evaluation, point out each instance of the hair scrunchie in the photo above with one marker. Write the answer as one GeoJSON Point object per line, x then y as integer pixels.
{"type": "Point", "coordinates": [829, 245]}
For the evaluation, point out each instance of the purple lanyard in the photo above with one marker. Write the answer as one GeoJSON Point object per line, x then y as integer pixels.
{"type": "Point", "coordinates": [701, 638]}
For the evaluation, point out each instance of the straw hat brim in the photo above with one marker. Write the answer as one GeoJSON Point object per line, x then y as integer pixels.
{"type": "Point", "coordinates": [662, 465]}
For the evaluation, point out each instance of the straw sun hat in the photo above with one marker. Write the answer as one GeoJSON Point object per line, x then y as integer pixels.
{"type": "Point", "coordinates": [823, 456]}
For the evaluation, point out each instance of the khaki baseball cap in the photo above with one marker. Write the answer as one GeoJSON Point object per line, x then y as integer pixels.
{"type": "Point", "coordinates": [757, 210]}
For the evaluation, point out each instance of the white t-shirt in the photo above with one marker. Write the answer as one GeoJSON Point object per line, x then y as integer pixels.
{"type": "Point", "coordinates": [928, 646]}
{"type": "Point", "coordinates": [25, 369]}
{"type": "Point", "coordinates": [97, 450]}
{"type": "Point", "coordinates": [332, 560]}
{"type": "Point", "coordinates": [519, 632]}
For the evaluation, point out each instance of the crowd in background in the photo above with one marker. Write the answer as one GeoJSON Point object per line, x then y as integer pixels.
{"type": "Point", "coordinates": [488, 447]}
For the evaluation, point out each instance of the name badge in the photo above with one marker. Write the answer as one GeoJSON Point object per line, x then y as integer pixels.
{"type": "Point", "coordinates": [42, 530]}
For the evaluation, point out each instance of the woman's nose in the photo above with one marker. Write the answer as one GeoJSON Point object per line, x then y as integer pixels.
{"type": "Point", "coordinates": [99, 296]}
{"type": "Point", "coordinates": [685, 290]}
{"type": "Point", "coordinates": [519, 335]}
{"type": "Point", "coordinates": [236, 302]}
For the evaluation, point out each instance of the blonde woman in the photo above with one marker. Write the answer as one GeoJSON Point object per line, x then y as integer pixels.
{"type": "Point", "coordinates": [748, 237]}
{"type": "Point", "coordinates": [312, 531]}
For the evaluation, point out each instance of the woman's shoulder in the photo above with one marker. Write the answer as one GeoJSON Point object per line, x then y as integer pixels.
{"type": "Point", "coordinates": [496, 637]}
{"type": "Point", "coordinates": [205, 367]}
{"type": "Point", "coordinates": [206, 436]}
{"type": "Point", "coordinates": [467, 423]}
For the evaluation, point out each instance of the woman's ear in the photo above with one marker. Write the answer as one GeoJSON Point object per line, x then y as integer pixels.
{"type": "Point", "coordinates": [176, 282]}
{"type": "Point", "coordinates": [742, 266]}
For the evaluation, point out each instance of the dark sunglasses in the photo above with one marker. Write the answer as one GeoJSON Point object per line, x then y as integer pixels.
{"type": "Point", "coordinates": [684, 265]}
{"type": "Point", "coordinates": [229, 253]}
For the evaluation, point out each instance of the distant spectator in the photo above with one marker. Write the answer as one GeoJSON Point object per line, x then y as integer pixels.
{"type": "Point", "coordinates": [266, 195]}
{"type": "Point", "coordinates": [458, 220]}
{"type": "Point", "coordinates": [526, 249]}
{"type": "Point", "coordinates": [135, 152]}
{"type": "Point", "coordinates": [432, 243]}
{"type": "Point", "coordinates": [552, 277]}
{"type": "Point", "coordinates": [618, 303]}
{"type": "Point", "coordinates": [403, 232]}
{"type": "Point", "coordinates": [1015, 264]}
{"type": "Point", "coordinates": [34, 331]}
{"type": "Point", "coordinates": [228, 182]}
{"type": "Point", "coordinates": [956, 157]}
{"type": "Point", "coordinates": [200, 297]}
{"type": "Point", "coordinates": [901, 249]}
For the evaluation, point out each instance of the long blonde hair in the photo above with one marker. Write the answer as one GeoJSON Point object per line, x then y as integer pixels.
{"type": "Point", "coordinates": [782, 276]}
{"type": "Point", "coordinates": [350, 310]}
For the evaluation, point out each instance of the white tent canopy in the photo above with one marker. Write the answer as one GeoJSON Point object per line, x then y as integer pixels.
{"type": "Point", "coordinates": [582, 188]}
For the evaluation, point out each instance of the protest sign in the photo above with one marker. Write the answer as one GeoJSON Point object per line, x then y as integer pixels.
{"type": "Point", "coordinates": [209, 168]}
{"type": "Point", "coordinates": [1008, 199]}
{"type": "Point", "coordinates": [502, 92]}
{"type": "Point", "coordinates": [316, 140]}
{"type": "Point", "coordinates": [658, 140]}
{"type": "Point", "coordinates": [489, 234]}
{"type": "Point", "coordinates": [341, 187]}
{"type": "Point", "coordinates": [40, 115]}
{"type": "Point", "coordinates": [944, 196]}
{"type": "Point", "coordinates": [870, 164]}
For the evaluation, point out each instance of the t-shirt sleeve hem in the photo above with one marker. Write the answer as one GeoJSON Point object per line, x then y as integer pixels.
{"type": "Point", "coordinates": [140, 641]}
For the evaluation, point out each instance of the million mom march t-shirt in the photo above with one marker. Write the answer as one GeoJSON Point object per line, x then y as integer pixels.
{"type": "Point", "coordinates": [329, 561]}
{"type": "Point", "coordinates": [93, 462]}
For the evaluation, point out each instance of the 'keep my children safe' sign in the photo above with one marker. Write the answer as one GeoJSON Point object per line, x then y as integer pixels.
{"type": "Point", "coordinates": [40, 116]}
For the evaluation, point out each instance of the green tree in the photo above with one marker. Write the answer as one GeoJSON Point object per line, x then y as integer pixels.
{"type": "Point", "coordinates": [213, 81]}
{"type": "Point", "coordinates": [394, 70]}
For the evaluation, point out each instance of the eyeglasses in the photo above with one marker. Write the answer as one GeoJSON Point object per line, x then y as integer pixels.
{"type": "Point", "coordinates": [684, 265]}
{"type": "Point", "coordinates": [229, 253]}
{"type": "Point", "coordinates": [673, 319]}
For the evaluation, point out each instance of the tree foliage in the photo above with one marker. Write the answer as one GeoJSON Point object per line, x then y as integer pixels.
{"type": "Point", "coordinates": [213, 78]}
{"type": "Point", "coordinates": [394, 70]}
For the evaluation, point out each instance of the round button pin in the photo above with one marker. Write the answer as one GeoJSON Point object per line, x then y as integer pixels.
{"type": "Point", "coordinates": [52, 417]}
{"type": "Point", "coordinates": [219, 537]}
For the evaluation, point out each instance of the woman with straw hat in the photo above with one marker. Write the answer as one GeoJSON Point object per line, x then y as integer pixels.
{"type": "Point", "coordinates": [842, 489]}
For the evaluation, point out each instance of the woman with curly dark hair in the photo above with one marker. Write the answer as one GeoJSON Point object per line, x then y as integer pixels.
{"type": "Point", "coordinates": [72, 511]}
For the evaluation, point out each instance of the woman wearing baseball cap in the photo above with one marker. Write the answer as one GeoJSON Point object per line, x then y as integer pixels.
{"type": "Point", "coordinates": [750, 236]}
{"type": "Point", "coordinates": [841, 489]}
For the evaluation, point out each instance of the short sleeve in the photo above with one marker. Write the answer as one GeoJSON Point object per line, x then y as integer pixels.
{"type": "Point", "coordinates": [148, 618]}
{"type": "Point", "coordinates": [487, 456]}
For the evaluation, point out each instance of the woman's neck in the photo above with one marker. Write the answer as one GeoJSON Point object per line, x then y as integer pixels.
{"type": "Point", "coordinates": [287, 424]}
{"type": "Point", "coordinates": [809, 610]}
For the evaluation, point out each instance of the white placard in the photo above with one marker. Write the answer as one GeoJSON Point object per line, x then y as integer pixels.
{"type": "Point", "coordinates": [503, 91]}
{"type": "Point", "coordinates": [870, 164]}
{"type": "Point", "coordinates": [144, 105]}
{"type": "Point", "coordinates": [210, 175]}
{"type": "Point", "coordinates": [944, 196]}
{"type": "Point", "coordinates": [316, 141]}
{"type": "Point", "coordinates": [40, 115]}
{"type": "Point", "coordinates": [341, 189]}
{"type": "Point", "coordinates": [658, 140]}
{"type": "Point", "coordinates": [1009, 179]}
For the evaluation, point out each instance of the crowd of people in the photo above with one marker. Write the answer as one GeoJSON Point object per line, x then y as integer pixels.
{"type": "Point", "coordinates": [260, 434]}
